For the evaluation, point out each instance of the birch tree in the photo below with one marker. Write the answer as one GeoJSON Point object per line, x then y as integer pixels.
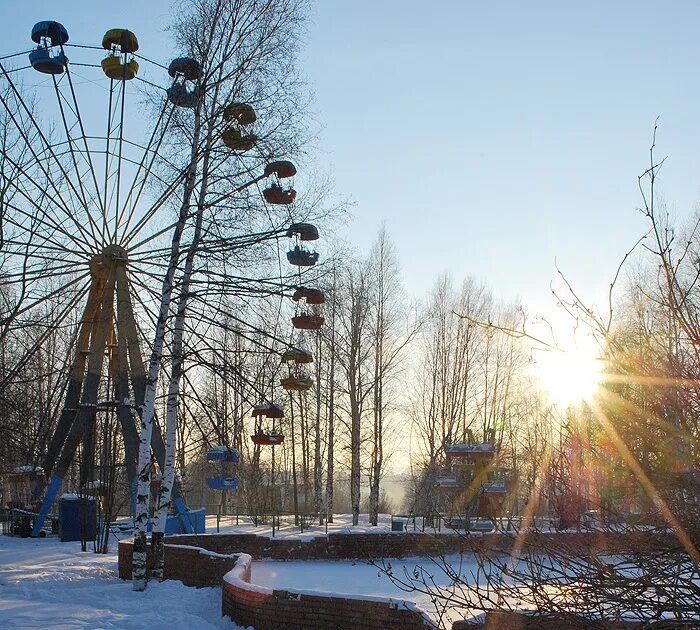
{"type": "Point", "coordinates": [391, 332]}
{"type": "Point", "coordinates": [245, 49]}
{"type": "Point", "coordinates": [354, 357]}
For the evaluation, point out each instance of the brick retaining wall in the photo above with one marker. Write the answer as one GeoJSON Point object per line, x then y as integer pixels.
{"type": "Point", "coordinates": [214, 559]}
{"type": "Point", "coordinates": [399, 544]}
{"type": "Point", "coordinates": [193, 566]}
{"type": "Point", "coordinates": [501, 620]}
{"type": "Point", "coordinates": [333, 546]}
{"type": "Point", "coordinates": [267, 609]}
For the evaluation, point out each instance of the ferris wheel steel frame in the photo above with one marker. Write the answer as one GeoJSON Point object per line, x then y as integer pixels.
{"type": "Point", "coordinates": [103, 330]}
{"type": "Point", "coordinates": [101, 258]}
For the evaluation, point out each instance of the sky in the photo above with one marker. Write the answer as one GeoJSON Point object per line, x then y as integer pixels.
{"type": "Point", "coordinates": [491, 138]}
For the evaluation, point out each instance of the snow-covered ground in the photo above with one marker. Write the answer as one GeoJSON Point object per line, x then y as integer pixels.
{"type": "Point", "coordinates": [347, 577]}
{"type": "Point", "coordinates": [342, 524]}
{"type": "Point", "coordinates": [48, 584]}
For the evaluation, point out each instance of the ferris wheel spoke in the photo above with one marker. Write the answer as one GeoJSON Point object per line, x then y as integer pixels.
{"type": "Point", "coordinates": [107, 146]}
{"type": "Point", "coordinates": [88, 155]}
{"type": "Point", "coordinates": [157, 206]}
{"type": "Point", "coordinates": [44, 217]}
{"type": "Point", "coordinates": [55, 265]}
{"type": "Point", "coordinates": [47, 242]}
{"type": "Point", "coordinates": [119, 153]}
{"type": "Point", "coordinates": [29, 277]}
{"type": "Point", "coordinates": [276, 285]}
{"type": "Point", "coordinates": [52, 294]}
{"type": "Point", "coordinates": [69, 140]}
{"type": "Point", "coordinates": [50, 182]}
{"type": "Point", "coordinates": [39, 341]}
{"type": "Point", "coordinates": [156, 255]}
{"type": "Point", "coordinates": [150, 311]}
{"type": "Point", "coordinates": [150, 213]}
{"type": "Point", "coordinates": [228, 315]}
{"type": "Point", "coordinates": [150, 270]}
{"type": "Point", "coordinates": [209, 366]}
{"type": "Point", "coordinates": [153, 236]}
{"type": "Point", "coordinates": [143, 148]}
{"type": "Point", "coordinates": [46, 146]}
{"type": "Point", "coordinates": [23, 176]}
{"type": "Point", "coordinates": [154, 152]}
{"type": "Point", "coordinates": [28, 269]}
{"type": "Point", "coordinates": [81, 176]}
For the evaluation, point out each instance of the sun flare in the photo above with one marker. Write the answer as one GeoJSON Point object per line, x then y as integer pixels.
{"type": "Point", "coordinates": [569, 376]}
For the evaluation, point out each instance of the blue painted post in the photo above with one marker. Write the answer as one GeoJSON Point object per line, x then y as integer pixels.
{"type": "Point", "coordinates": [51, 493]}
{"type": "Point", "coordinates": [184, 515]}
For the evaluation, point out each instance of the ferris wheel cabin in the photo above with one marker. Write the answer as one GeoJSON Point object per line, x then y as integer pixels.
{"type": "Point", "coordinates": [187, 71]}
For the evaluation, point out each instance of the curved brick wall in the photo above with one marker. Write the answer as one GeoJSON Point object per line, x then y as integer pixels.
{"type": "Point", "coordinates": [267, 609]}
{"type": "Point", "coordinates": [211, 560]}
{"type": "Point", "coordinates": [193, 566]}
{"type": "Point", "coordinates": [333, 546]}
{"type": "Point", "coordinates": [398, 544]}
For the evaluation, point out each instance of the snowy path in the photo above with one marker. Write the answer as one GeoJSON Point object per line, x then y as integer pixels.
{"type": "Point", "coordinates": [48, 584]}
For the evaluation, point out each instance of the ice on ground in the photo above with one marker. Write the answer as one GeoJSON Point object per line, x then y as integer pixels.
{"type": "Point", "coordinates": [48, 584]}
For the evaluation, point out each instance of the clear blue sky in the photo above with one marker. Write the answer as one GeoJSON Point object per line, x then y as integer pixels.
{"type": "Point", "coordinates": [490, 137]}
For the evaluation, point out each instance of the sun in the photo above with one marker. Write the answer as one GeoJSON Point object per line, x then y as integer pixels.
{"type": "Point", "coordinates": [569, 376]}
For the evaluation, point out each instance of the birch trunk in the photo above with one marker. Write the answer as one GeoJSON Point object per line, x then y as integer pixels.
{"type": "Point", "coordinates": [331, 415]}
{"type": "Point", "coordinates": [165, 495]}
{"type": "Point", "coordinates": [294, 460]}
{"type": "Point", "coordinates": [148, 408]}
{"type": "Point", "coordinates": [317, 435]}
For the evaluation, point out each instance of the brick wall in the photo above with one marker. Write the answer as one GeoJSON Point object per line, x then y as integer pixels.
{"type": "Point", "coordinates": [266, 609]}
{"type": "Point", "coordinates": [400, 545]}
{"type": "Point", "coordinates": [210, 560]}
{"type": "Point", "coordinates": [191, 565]}
{"type": "Point", "coordinates": [519, 621]}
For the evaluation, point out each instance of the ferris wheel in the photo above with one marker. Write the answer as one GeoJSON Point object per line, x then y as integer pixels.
{"type": "Point", "coordinates": [92, 212]}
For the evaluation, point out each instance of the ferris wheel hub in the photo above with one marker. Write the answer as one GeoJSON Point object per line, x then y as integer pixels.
{"type": "Point", "coordinates": [108, 257]}
{"type": "Point", "coordinates": [114, 253]}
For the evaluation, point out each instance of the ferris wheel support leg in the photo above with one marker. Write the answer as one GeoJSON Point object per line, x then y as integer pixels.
{"type": "Point", "coordinates": [120, 370]}
{"type": "Point", "coordinates": [131, 441]}
{"type": "Point", "coordinates": [50, 497]}
{"type": "Point", "coordinates": [75, 385]}
{"type": "Point", "coordinates": [86, 414]}
{"type": "Point", "coordinates": [87, 468]}
{"type": "Point", "coordinates": [127, 328]}
{"type": "Point", "coordinates": [184, 514]}
{"type": "Point", "coordinates": [158, 448]}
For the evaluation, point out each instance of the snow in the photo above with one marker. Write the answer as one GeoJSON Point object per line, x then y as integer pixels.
{"type": "Point", "coordinates": [357, 579]}
{"type": "Point", "coordinates": [71, 496]}
{"type": "Point", "coordinates": [48, 584]}
{"type": "Point", "coordinates": [37, 470]}
{"type": "Point", "coordinates": [235, 576]}
{"type": "Point", "coordinates": [342, 525]}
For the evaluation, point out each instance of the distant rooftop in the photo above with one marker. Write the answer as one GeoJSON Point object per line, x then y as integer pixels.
{"type": "Point", "coordinates": [484, 447]}
{"type": "Point", "coordinates": [446, 482]}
